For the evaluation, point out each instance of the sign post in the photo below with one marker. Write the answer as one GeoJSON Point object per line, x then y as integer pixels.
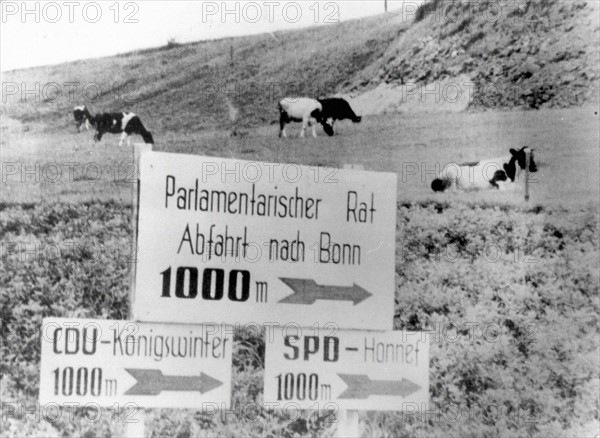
{"type": "Point", "coordinates": [348, 426]}
{"type": "Point", "coordinates": [138, 150]}
{"type": "Point", "coordinates": [137, 429]}
{"type": "Point", "coordinates": [250, 242]}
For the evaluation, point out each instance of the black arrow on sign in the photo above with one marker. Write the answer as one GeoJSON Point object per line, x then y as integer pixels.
{"type": "Point", "coordinates": [361, 386]}
{"type": "Point", "coordinates": [308, 291]}
{"type": "Point", "coordinates": [153, 382]}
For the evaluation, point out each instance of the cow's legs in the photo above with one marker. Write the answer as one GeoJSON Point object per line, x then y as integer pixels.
{"type": "Point", "coordinates": [314, 129]}
{"type": "Point", "coordinates": [124, 137]}
{"type": "Point", "coordinates": [282, 124]}
{"type": "Point", "coordinates": [305, 123]}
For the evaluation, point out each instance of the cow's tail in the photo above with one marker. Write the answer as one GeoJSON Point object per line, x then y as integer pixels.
{"type": "Point", "coordinates": [440, 184]}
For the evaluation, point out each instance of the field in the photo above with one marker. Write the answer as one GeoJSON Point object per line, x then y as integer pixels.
{"type": "Point", "coordinates": [509, 289]}
{"type": "Point", "coordinates": [72, 168]}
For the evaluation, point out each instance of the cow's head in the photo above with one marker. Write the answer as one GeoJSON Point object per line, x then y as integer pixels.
{"type": "Point", "coordinates": [519, 158]}
{"type": "Point", "coordinates": [81, 116]}
{"type": "Point", "coordinates": [324, 121]}
{"type": "Point", "coordinates": [440, 184]}
{"type": "Point", "coordinates": [499, 175]}
{"type": "Point", "coordinates": [356, 119]}
{"type": "Point", "coordinates": [327, 128]}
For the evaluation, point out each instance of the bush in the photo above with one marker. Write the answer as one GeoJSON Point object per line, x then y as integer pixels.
{"type": "Point", "coordinates": [509, 295]}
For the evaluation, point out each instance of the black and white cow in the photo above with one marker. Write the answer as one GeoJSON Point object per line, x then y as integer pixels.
{"type": "Point", "coordinates": [299, 109]}
{"type": "Point", "coordinates": [496, 173]}
{"type": "Point", "coordinates": [336, 108]}
{"type": "Point", "coordinates": [81, 116]}
{"type": "Point", "coordinates": [125, 124]}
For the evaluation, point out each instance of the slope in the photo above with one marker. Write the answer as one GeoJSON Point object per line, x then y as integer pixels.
{"type": "Point", "coordinates": [525, 54]}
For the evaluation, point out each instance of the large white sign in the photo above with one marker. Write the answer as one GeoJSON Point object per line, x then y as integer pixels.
{"type": "Point", "coordinates": [150, 365]}
{"type": "Point", "coordinates": [346, 369]}
{"type": "Point", "coordinates": [249, 242]}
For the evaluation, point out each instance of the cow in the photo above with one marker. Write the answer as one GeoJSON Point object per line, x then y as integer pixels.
{"type": "Point", "coordinates": [336, 108]}
{"type": "Point", "coordinates": [299, 109]}
{"type": "Point", "coordinates": [125, 124]}
{"type": "Point", "coordinates": [81, 116]}
{"type": "Point", "coordinates": [497, 173]}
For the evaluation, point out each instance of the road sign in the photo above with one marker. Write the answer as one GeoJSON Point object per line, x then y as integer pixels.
{"type": "Point", "coordinates": [152, 365]}
{"type": "Point", "coordinates": [346, 369]}
{"type": "Point", "coordinates": [248, 242]}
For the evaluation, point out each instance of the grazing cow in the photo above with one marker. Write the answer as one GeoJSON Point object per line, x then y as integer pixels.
{"type": "Point", "coordinates": [300, 109]}
{"type": "Point", "coordinates": [81, 116]}
{"type": "Point", "coordinates": [496, 173]}
{"type": "Point", "coordinates": [336, 108]}
{"type": "Point", "coordinates": [120, 123]}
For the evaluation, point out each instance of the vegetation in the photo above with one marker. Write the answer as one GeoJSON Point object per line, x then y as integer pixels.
{"type": "Point", "coordinates": [509, 296]}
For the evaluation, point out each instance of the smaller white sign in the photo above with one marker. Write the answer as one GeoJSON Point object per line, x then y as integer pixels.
{"type": "Point", "coordinates": [347, 369]}
{"type": "Point", "coordinates": [151, 365]}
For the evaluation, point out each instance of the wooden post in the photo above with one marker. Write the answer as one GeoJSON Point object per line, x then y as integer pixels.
{"type": "Point", "coordinates": [385, 5]}
{"type": "Point", "coordinates": [138, 149]}
{"type": "Point", "coordinates": [527, 161]}
{"type": "Point", "coordinates": [135, 427]}
{"type": "Point", "coordinates": [347, 424]}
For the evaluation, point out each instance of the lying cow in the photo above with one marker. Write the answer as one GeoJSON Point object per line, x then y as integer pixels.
{"type": "Point", "coordinates": [496, 173]}
{"type": "Point", "coordinates": [81, 116]}
{"type": "Point", "coordinates": [336, 108]}
{"type": "Point", "coordinates": [300, 109]}
{"type": "Point", "coordinates": [125, 124]}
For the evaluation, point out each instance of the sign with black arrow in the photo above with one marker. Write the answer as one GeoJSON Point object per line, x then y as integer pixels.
{"type": "Point", "coordinates": [153, 382]}
{"type": "Point", "coordinates": [356, 370]}
{"type": "Point", "coordinates": [308, 292]}
{"type": "Point", "coordinates": [151, 365]}
{"type": "Point", "coordinates": [360, 386]}
{"type": "Point", "coordinates": [238, 242]}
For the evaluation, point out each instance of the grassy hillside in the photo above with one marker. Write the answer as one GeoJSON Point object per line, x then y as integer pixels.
{"type": "Point", "coordinates": [537, 54]}
{"type": "Point", "coordinates": [184, 87]}
{"type": "Point", "coordinates": [527, 54]}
